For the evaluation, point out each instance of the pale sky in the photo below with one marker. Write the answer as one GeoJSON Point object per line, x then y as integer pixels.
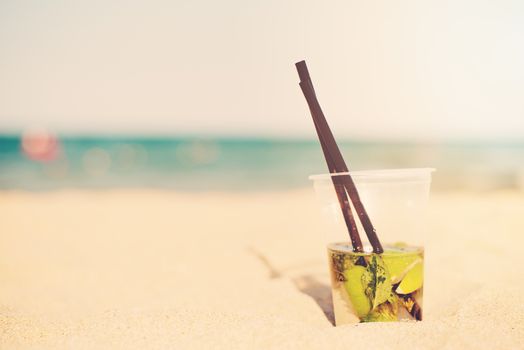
{"type": "Point", "coordinates": [382, 69]}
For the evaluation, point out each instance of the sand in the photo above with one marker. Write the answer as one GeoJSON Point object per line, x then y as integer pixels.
{"type": "Point", "coordinates": [151, 270]}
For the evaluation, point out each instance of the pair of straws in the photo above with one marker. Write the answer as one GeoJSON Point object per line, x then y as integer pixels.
{"type": "Point", "coordinates": [336, 164]}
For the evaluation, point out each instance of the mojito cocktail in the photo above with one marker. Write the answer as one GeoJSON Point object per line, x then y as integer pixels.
{"type": "Point", "coordinates": [369, 287]}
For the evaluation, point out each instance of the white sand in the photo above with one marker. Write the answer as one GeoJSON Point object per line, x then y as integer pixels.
{"type": "Point", "coordinates": [146, 269]}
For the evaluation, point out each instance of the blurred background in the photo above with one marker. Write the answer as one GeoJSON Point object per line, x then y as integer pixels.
{"type": "Point", "coordinates": [155, 155]}
{"type": "Point", "coordinates": [191, 96]}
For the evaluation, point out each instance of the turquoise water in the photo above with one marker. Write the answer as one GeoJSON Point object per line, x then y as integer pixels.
{"type": "Point", "coordinates": [229, 164]}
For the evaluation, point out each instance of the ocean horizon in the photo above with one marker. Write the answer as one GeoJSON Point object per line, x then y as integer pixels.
{"type": "Point", "coordinates": [245, 164]}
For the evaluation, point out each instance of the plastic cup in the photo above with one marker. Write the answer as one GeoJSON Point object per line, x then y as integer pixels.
{"type": "Point", "coordinates": [368, 287]}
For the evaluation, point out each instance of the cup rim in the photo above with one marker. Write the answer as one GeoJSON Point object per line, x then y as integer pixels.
{"type": "Point", "coordinates": [381, 174]}
{"type": "Point", "coordinates": [346, 248]}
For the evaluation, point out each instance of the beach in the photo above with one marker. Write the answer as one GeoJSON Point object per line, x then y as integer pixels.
{"type": "Point", "coordinates": [155, 269]}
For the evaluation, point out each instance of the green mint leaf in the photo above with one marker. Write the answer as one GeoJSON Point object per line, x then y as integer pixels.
{"type": "Point", "coordinates": [377, 281]}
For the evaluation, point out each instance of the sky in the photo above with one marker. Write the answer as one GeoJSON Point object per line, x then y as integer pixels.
{"type": "Point", "coordinates": [425, 70]}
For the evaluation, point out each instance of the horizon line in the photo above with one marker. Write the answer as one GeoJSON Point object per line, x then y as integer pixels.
{"type": "Point", "coordinates": [266, 137]}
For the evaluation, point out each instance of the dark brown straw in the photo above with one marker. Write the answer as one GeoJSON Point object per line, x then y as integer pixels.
{"type": "Point", "coordinates": [345, 206]}
{"type": "Point", "coordinates": [326, 138]}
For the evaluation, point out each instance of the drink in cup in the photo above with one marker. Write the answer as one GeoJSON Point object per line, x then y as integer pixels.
{"type": "Point", "coordinates": [370, 287]}
{"type": "Point", "coordinates": [367, 286]}
{"type": "Point", "coordinates": [372, 282]}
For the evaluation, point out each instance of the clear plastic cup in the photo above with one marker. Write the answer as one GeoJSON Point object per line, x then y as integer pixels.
{"type": "Point", "coordinates": [368, 287]}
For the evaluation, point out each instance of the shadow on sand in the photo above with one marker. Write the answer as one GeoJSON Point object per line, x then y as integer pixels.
{"type": "Point", "coordinates": [307, 284]}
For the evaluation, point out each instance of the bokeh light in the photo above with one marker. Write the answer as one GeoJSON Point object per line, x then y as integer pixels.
{"type": "Point", "coordinates": [96, 161]}
{"type": "Point", "coordinates": [40, 145]}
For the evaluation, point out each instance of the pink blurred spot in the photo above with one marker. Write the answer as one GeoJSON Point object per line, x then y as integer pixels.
{"type": "Point", "coordinates": [40, 145]}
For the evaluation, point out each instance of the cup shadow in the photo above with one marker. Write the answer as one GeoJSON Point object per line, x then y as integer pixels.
{"type": "Point", "coordinates": [319, 292]}
{"type": "Point", "coordinates": [307, 284]}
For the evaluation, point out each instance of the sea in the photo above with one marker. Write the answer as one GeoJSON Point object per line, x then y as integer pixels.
{"type": "Point", "coordinates": [243, 164]}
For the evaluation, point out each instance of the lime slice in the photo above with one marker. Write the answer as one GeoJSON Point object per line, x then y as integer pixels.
{"type": "Point", "coordinates": [385, 312]}
{"type": "Point", "coordinates": [398, 264]}
{"type": "Point", "coordinates": [356, 290]}
{"type": "Point", "coordinates": [413, 279]}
